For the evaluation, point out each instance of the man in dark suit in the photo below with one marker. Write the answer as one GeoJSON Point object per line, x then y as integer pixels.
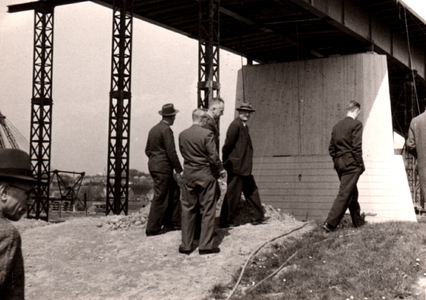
{"type": "Point", "coordinates": [214, 112]}
{"type": "Point", "coordinates": [165, 212]}
{"type": "Point", "coordinates": [346, 150]}
{"type": "Point", "coordinates": [202, 167]}
{"type": "Point", "coordinates": [237, 156]}
{"type": "Point", "coordinates": [416, 145]}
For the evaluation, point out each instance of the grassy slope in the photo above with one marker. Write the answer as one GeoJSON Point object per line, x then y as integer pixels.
{"type": "Point", "coordinates": [375, 261]}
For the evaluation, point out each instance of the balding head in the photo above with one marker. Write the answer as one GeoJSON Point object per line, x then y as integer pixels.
{"type": "Point", "coordinates": [199, 116]}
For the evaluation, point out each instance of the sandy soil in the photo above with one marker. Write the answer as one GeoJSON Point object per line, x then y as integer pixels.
{"type": "Point", "coordinates": [83, 258]}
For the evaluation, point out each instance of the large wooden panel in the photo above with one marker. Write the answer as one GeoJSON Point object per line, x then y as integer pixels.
{"type": "Point", "coordinates": [297, 104]}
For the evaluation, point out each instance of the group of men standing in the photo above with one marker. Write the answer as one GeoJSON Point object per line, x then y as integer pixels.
{"type": "Point", "coordinates": [199, 145]}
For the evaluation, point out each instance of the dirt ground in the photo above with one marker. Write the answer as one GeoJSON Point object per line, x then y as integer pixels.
{"type": "Point", "coordinates": [86, 258]}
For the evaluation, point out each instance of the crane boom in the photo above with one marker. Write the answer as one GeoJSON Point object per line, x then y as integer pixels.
{"type": "Point", "coordinates": [8, 133]}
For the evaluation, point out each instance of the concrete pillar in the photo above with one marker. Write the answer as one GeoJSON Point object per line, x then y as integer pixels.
{"type": "Point", "coordinates": [297, 105]}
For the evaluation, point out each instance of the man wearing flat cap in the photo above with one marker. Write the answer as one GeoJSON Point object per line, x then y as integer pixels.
{"type": "Point", "coordinates": [165, 212]}
{"type": "Point", "coordinates": [16, 184]}
{"type": "Point", "coordinates": [237, 156]}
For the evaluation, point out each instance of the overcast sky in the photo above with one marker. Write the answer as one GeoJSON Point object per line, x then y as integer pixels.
{"type": "Point", "coordinates": [164, 70]}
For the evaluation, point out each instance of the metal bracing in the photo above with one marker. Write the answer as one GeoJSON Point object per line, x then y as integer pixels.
{"type": "Point", "coordinates": [119, 113]}
{"type": "Point", "coordinates": [208, 52]}
{"type": "Point", "coordinates": [9, 135]}
{"type": "Point", "coordinates": [41, 109]}
{"type": "Point", "coordinates": [68, 187]}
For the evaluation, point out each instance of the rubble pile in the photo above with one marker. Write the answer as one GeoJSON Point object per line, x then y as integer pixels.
{"type": "Point", "coordinates": [134, 220]}
{"type": "Point", "coordinates": [243, 214]}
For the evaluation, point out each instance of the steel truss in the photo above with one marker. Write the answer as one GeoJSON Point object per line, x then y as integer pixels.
{"type": "Point", "coordinates": [119, 114]}
{"type": "Point", "coordinates": [9, 135]}
{"type": "Point", "coordinates": [68, 189]}
{"type": "Point", "coordinates": [208, 52]}
{"type": "Point", "coordinates": [41, 109]}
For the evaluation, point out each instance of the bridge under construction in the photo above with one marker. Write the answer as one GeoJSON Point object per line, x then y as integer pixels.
{"type": "Point", "coordinates": [318, 53]}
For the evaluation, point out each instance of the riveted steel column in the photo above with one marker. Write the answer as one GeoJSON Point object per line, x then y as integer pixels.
{"type": "Point", "coordinates": [119, 112]}
{"type": "Point", "coordinates": [208, 52]}
{"type": "Point", "coordinates": [41, 109]}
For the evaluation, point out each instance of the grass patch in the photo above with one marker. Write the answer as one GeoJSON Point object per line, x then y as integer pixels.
{"type": "Point", "coordinates": [375, 261]}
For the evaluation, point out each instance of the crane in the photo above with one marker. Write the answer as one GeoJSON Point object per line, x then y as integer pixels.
{"type": "Point", "coordinates": [12, 135]}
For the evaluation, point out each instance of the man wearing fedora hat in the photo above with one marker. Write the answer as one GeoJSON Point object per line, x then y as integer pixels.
{"type": "Point", "coordinates": [237, 156]}
{"type": "Point", "coordinates": [165, 212]}
{"type": "Point", "coordinates": [16, 183]}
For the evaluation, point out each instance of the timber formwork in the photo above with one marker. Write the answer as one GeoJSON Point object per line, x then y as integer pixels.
{"type": "Point", "coordinates": [208, 52]}
{"type": "Point", "coordinates": [119, 111]}
{"type": "Point", "coordinates": [41, 109]}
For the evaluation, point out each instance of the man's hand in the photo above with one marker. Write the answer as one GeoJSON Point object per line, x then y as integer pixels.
{"type": "Point", "coordinates": [179, 179]}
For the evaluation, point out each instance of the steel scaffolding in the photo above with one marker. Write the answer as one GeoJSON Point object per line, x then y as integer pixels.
{"type": "Point", "coordinates": [208, 52]}
{"type": "Point", "coordinates": [119, 113]}
{"type": "Point", "coordinates": [41, 108]}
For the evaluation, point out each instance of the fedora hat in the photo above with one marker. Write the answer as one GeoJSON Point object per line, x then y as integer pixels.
{"type": "Point", "coordinates": [168, 110]}
{"type": "Point", "coordinates": [245, 106]}
{"type": "Point", "coordinates": [15, 164]}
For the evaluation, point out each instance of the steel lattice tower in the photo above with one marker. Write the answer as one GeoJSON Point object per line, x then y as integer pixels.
{"type": "Point", "coordinates": [208, 52]}
{"type": "Point", "coordinates": [41, 108]}
{"type": "Point", "coordinates": [119, 111]}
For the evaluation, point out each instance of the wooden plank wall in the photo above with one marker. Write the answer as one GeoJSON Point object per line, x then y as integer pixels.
{"type": "Point", "coordinates": [297, 104]}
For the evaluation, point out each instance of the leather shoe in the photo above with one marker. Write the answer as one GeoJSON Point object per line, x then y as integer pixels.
{"type": "Point", "coordinates": [209, 251]}
{"type": "Point", "coordinates": [155, 233]}
{"type": "Point", "coordinates": [359, 224]}
{"type": "Point", "coordinates": [182, 251]}
{"type": "Point", "coordinates": [327, 228]}
{"type": "Point", "coordinates": [258, 221]}
{"type": "Point", "coordinates": [230, 225]}
{"type": "Point", "coordinates": [172, 228]}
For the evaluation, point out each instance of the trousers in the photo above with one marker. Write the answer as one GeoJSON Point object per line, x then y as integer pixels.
{"type": "Point", "coordinates": [199, 198]}
{"type": "Point", "coordinates": [347, 198]}
{"type": "Point", "coordinates": [165, 206]}
{"type": "Point", "coordinates": [236, 185]}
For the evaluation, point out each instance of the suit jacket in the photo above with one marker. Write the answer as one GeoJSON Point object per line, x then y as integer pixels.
{"type": "Point", "coordinates": [237, 152]}
{"type": "Point", "coordinates": [416, 141]}
{"type": "Point", "coordinates": [12, 277]}
{"type": "Point", "coordinates": [161, 151]}
{"type": "Point", "coordinates": [212, 125]}
{"type": "Point", "coordinates": [346, 144]}
{"type": "Point", "coordinates": [198, 149]}
{"type": "Point", "coordinates": [416, 145]}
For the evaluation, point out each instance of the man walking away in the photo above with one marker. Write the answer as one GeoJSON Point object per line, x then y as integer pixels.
{"type": "Point", "coordinates": [165, 211]}
{"type": "Point", "coordinates": [346, 150]}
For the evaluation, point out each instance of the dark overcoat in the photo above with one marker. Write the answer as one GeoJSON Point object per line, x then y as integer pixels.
{"type": "Point", "coordinates": [12, 277]}
{"type": "Point", "coordinates": [212, 126]}
{"type": "Point", "coordinates": [237, 152]}
{"type": "Point", "coordinates": [161, 151]}
{"type": "Point", "coordinates": [416, 145]}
